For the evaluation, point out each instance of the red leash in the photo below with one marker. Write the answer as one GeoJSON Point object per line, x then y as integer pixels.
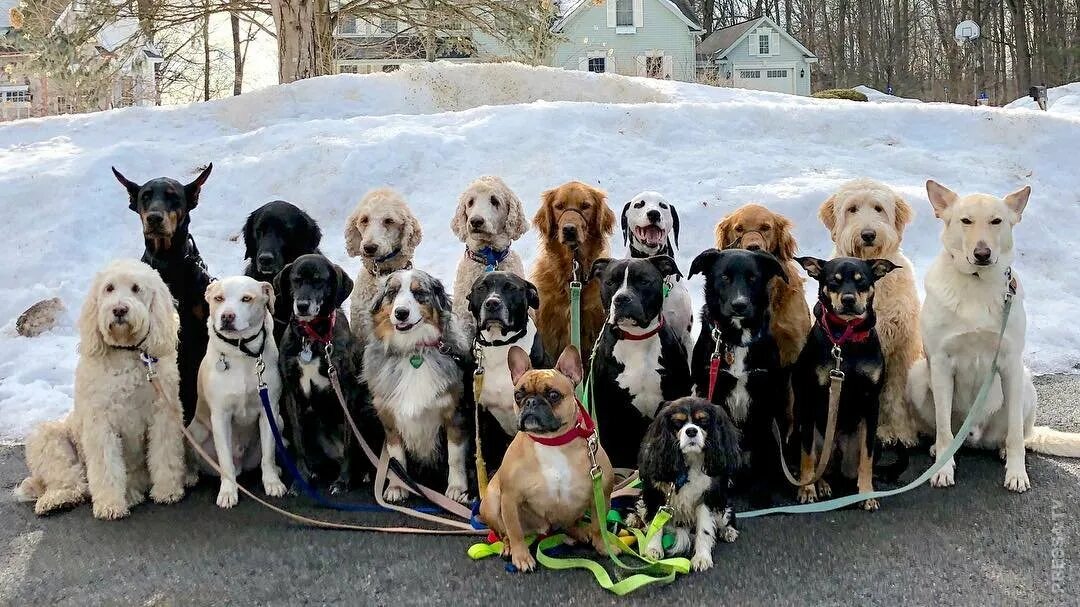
{"type": "Point", "coordinates": [714, 360]}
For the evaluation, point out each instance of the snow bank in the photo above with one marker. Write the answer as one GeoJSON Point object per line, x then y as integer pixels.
{"type": "Point", "coordinates": [430, 130]}
{"type": "Point", "coordinates": [875, 96]}
{"type": "Point", "coordinates": [1064, 100]}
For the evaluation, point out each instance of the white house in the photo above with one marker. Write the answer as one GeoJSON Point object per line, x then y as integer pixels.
{"type": "Point", "coordinates": [756, 54]}
{"type": "Point", "coordinates": [654, 38]}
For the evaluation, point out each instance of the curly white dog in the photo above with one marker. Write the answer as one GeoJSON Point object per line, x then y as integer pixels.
{"type": "Point", "coordinates": [121, 438]}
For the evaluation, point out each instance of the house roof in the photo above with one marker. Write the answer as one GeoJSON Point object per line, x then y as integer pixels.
{"type": "Point", "coordinates": [723, 40]}
{"type": "Point", "coordinates": [568, 9]}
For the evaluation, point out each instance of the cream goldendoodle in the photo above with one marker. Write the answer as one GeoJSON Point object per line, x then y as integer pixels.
{"type": "Point", "coordinates": [121, 438]}
{"type": "Point", "coordinates": [384, 234]}
{"type": "Point", "coordinates": [488, 217]}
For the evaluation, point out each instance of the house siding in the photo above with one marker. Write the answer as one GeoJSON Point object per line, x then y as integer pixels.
{"type": "Point", "coordinates": [789, 55]}
{"type": "Point", "coordinates": [661, 32]}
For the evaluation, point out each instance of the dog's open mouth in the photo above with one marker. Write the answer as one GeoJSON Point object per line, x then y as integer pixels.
{"type": "Point", "coordinates": [649, 235]}
{"type": "Point", "coordinates": [405, 326]}
{"type": "Point", "coordinates": [493, 323]}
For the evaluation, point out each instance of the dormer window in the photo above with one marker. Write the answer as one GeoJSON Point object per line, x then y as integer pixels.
{"type": "Point", "coordinates": [763, 43]}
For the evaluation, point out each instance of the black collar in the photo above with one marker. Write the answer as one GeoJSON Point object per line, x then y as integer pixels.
{"type": "Point", "coordinates": [501, 342]}
{"type": "Point", "coordinates": [242, 343]}
{"type": "Point", "coordinates": [636, 253]}
{"type": "Point", "coordinates": [137, 347]}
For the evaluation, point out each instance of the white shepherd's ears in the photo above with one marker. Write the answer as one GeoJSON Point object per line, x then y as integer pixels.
{"type": "Point", "coordinates": [940, 196]}
{"type": "Point", "coordinates": [1018, 200]}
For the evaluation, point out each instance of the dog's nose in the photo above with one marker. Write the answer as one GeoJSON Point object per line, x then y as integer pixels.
{"type": "Point", "coordinates": [620, 299]}
{"type": "Point", "coordinates": [120, 311]}
{"type": "Point", "coordinates": [569, 232]}
{"type": "Point", "coordinates": [868, 236]}
{"type": "Point", "coordinates": [848, 299]}
{"type": "Point", "coordinates": [754, 246]}
{"type": "Point", "coordinates": [155, 219]}
{"type": "Point", "coordinates": [982, 254]}
{"type": "Point", "coordinates": [371, 249]}
{"type": "Point", "coordinates": [266, 258]}
{"type": "Point", "coordinates": [477, 222]}
{"type": "Point", "coordinates": [402, 314]}
{"type": "Point", "coordinates": [691, 432]}
{"type": "Point", "coordinates": [302, 307]}
{"type": "Point", "coordinates": [653, 216]}
{"type": "Point", "coordinates": [228, 318]}
{"type": "Point", "coordinates": [740, 305]}
{"type": "Point", "coordinates": [491, 305]}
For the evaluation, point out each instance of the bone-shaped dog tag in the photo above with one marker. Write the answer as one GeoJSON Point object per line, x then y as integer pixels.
{"type": "Point", "coordinates": [305, 354]}
{"type": "Point", "coordinates": [222, 364]}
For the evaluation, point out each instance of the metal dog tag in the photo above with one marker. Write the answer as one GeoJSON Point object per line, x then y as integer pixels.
{"type": "Point", "coordinates": [222, 364]}
{"type": "Point", "coordinates": [305, 354]}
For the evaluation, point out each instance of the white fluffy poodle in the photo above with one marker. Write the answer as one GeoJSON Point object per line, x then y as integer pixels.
{"type": "Point", "coordinates": [121, 438]}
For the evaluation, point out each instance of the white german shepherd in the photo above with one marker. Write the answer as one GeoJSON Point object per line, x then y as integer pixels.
{"type": "Point", "coordinates": [966, 288]}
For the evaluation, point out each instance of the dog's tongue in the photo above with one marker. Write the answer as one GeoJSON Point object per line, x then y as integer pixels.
{"type": "Point", "coordinates": [651, 235]}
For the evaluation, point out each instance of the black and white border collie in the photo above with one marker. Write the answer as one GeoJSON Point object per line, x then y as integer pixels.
{"type": "Point", "coordinates": [412, 371]}
{"type": "Point", "coordinates": [687, 460]}
{"type": "Point", "coordinates": [750, 383]}
{"type": "Point", "coordinates": [639, 360]}
{"type": "Point", "coordinates": [650, 226]}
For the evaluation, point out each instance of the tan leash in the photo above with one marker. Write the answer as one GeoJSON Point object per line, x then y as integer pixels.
{"type": "Point", "coordinates": [836, 382]}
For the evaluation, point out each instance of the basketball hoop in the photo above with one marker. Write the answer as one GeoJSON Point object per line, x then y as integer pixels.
{"type": "Point", "coordinates": [966, 31]}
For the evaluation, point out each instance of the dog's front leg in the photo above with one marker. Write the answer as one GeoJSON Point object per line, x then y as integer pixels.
{"type": "Point", "coordinates": [106, 471]}
{"type": "Point", "coordinates": [1012, 384]}
{"type": "Point", "coordinates": [395, 490]}
{"type": "Point", "coordinates": [221, 426]}
{"type": "Point", "coordinates": [296, 442]}
{"type": "Point", "coordinates": [865, 482]}
{"type": "Point", "coordinates": [510, 507]}
{"type": "Point", "coordinates": [348, 445]}
{"type": "Point", "coordinates": [271, 478]}
{"type": "Point", "coordinates": [941, 384]}
{"type": "Point", "coordinates": [165, 456]}
{"type": "Point", "coordinates": [704, 538]}
{"type": "Point", "coordinates": [456, 455]}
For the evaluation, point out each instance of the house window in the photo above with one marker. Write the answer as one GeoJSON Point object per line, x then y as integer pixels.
{"type": "Point", "coordinates": [763, 44]}
{"type": "Point", "coordinates": [16, 97]}
{"type": "Point", "coordinates": [347, 25]}
{"type": "Point", "coordinates": [390, 67]}
{"type": "Point", "coordinates": [654, 67]}
{"type": "Point", "coordinates": [745, 74]}
{"type": "Point", "coordinates": [776, 74]}
{"type": "Point", "coordinates": [348, 69]}
{"type": "Point", "coordinates": [389, 26]}
{"type": "Point", "coordinates": [596, 64]}
{"type": "Point", "coordinates": [624, 13]}
{"type": "Point", "coordinates": [63, 106]}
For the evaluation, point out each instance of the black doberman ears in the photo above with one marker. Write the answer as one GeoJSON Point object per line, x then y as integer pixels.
{"type": "Point", "coordinates": [674, 223]}
{"type": "Point", "coordinates": [131, 187]}
{"type": "Point", "coordinates": [703, 261]}
{"type": "Point", "coordinates": [665, 265]}
{"type": "Point", "coordinates": [812, 265]}
{"type": "Point", "coordinates": [191, 190]}
{"type": "Point", "coordinates": [881, 267]}
{"type": "Point", "coordinates": [599, 266]}
{"type": "Point", "coordinates": [770, 265]}
{"type": "Point", "coordinates": [626, 224]}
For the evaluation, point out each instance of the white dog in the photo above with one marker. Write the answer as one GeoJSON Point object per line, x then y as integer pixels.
{"type": "Point", "coordinates": [966, 290]}
{"type": "Point", "coordinates": [230, 420]}
{"type": "Point", "coordinates": [650, 226]}
{"type": "Point", "coordinates": [121, 436]}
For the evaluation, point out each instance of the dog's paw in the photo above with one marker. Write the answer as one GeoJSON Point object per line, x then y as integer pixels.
{"type": "Point", "coordinates": [458, 494]}
{"type": "Point", "coordinates": [945, 476]}
{"type": "Point", "coordinates": [523, 561]}
{"type": "Point", "coordinates": [338, 487]}
{"type": "Point", "coordinates": [135, 497]}
{"type": "Point", "coordinates": [56, 499]}
{"type": "Point", "coordinates": [394, 494]}
{"type": "Point", "coordinates": [1017, 480]}
{"type": "Point", "coordinates": [824, 490]}
{"type": "Point", "coordinates": [227, 495]}
{"type": "Point", "coordinates": [110, 512]}
{"type": "Point", "coordinates": [166, 495]}
{"type": "Point", "coordinates": [807, 494]}
{"type": "Point", "coordinates": [701, 561]}
{"type": "Point", "coordinates": [729, 534]}
{"type": "Point", "coordinates": [653, 552]}
{"type": "Point", "coordinates": [273, 486]}
{"type": "Point", "coordinates": [191, 478]}
{"type": "Point", "coordinates": [870, 505]}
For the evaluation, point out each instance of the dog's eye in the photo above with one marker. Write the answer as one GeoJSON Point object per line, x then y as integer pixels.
{"type": "Point", "coordinates": [494, 202]}
{"type": "Point", "coordinates": [389, 221]}
{"type": "Point", "coordinates": [995, 221]}
{"type": "Point", "coordinates": [663, 206]}
{"type": "Point", "coordinates": [766, 228]}
{"type": "Point", "coordinates": [554, 396]}
{"type": "Point", "coordinates": [109, 288]}
{"type": "Point", "coordinates": [470, 203]}
{"type": "Point", "coordinates": [219, 298]}
{"type": "Point", "coordinates": [586, 207]}
{"type": "Point", "coordinates": [364, 220]}
{"type": "Point", "coordinates": [519, 394]}
{"type": "Point", "coordinates": [965, 221]}
{"type": "Point", "coordinates": [878, 209]}
{"type": "Point", "coordinates": [135, 288]}
{"type": "Point", "coordinates": [246, 298]}
{"type": "Point", "coordinates": [738, 229]}
{"type": "Point", "coordinates": [146, 195]}
{"type": "Point", "coordinates": [852, 209]}
{"type": "Point", "coordinates": [638, 205]}
{"type": "Point", "coordinates": [559, 206]}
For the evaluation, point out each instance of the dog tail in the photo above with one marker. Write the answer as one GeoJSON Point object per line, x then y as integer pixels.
{"type": "Point", "coordinates": [1053, 442]}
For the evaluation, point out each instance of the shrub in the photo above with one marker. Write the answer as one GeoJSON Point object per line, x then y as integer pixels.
{"type": "Point", "coordinates": [849, 94]}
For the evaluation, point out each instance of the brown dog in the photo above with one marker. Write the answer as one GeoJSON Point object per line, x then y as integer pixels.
{"type": "Point", "coordinates": [574, 223]}
{"type": "Point", "coordinates": [756, 228]}
{"type": "Point", "coordinates": [544, 482]}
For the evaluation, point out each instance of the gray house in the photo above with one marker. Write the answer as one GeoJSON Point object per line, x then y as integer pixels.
{"type": "Point", "coordinates": [756, 54]}
{"type": "Point", "coordinates": [653, 38]}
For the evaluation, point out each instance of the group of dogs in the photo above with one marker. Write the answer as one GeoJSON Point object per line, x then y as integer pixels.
{"type": "Point", "coordinates": [729, 410]}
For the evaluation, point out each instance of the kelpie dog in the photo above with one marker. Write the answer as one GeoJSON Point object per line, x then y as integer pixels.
{"type": "Point", "coordinates": [736, 362]}
{"type": "Point", "coordinates": [164, 206]}
{"type": "Point", "coordinates": [843, 339]}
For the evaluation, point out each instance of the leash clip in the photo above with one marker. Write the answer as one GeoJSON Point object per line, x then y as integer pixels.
{"type": "Point", "coordinates": [593, 444]}
{"type": "Point", "coordinates": [837, 355]}
{"type": "Point", "coordinates": [260, 367]}
{"type": "Point", "coordinates": [148, 361]}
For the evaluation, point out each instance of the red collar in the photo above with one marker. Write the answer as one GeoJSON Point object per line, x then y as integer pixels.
{"type": "Point", "coordinates": [319, 330]}
{"type": "Point", "coordinates": [583, 428]}
{"type": "Point", "coordinates": [849, 330]}
{"type": "Point", "coordinates": [623, 334]}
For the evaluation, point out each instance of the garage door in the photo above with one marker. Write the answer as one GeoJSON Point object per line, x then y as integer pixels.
{"type": "Point", "coordinates": [780, 80]}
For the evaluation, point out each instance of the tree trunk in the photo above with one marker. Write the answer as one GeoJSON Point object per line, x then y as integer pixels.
{"type": "Point", "coordinates": [206, 55]}
{"type": "Point", "coordinates": [238, 55]}
{"type": "Point", "coordinates": [303, 37]}
{"type": "Point", "coordinates": [1022, 71]}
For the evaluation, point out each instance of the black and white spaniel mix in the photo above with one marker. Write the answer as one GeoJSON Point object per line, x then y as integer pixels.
{"type": "Point", "coordinates": [686, 463]}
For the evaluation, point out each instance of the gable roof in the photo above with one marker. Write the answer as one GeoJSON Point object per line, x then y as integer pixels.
{"type": "Point", "coordinates": [723, 40]}
{"type": "Point", "coordinates": [570, 9]}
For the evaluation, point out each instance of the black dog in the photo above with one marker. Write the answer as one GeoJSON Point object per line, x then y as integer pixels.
{"type": "Point", "coordinates": [844, 326]}
{"type": "Point", "coordinates": [500, 304]}
{"type": "Point", "coordinates": [736, 344]}
{"type": "Point", "coordinates": [164, 206]}
{"type": "Point", "coordinates": [275, 234]}
{"type": "Point", "coordinates": [687, 461]}
{"type": "Point", "coordinates": [321, 443]}
{"type": "Point", "coordinates": [639, 360]}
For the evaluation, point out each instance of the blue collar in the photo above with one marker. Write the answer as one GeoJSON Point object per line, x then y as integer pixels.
{"type": "Point", "coordinates": [488, 257]}
{"type": "Point", "coordinates": [388, 256]}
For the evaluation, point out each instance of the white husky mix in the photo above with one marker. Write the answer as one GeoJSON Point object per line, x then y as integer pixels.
{"type": "Point", "coordinates": [966, 289]}
{"type": "Point", "coordinates": [230, 421]}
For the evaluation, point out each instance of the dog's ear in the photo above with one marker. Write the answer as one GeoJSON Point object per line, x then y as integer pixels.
{"type": "Point", "coordinates": [940, 196]}
{"type": "Point", "coordinates": [516, 221]}
{"type": "Point", "coordinates": [1017, 201]}
{"type": "Point", "coordinates": [881, 267]}
{"type": "Point", "coordinates": [607, 216]}
{"type": "Point", "coordinates": [440, 297]}
{"type": "Point", "coordinates": [544, 220]}
{"type": "Point", "coordinates": [131, 187]}
{"type": "Point", "coordinates": [343, 286]}
{"type": "Point", "coordinates": [282, 285]}
{"type": "Point", "coordinates": [249, 235]}
{"type": "Point", "coordinates": [812, 265]}
{"type": "Point", "coordinates": [903, 215]}
{"type": "Point", "coordinates": [626, 224]}
{"type": "Point", "coordinates": [569, 364]}
{"type": "Point", "coordinates": [268, 291]}
{"type": "Point", "coordinates": [473, 298]}
{"type": "Point", "coordinates": [313, 232]}
{"type": "Point", "coordinates": [532, 295]}
{"type": "Point", "coordinates": [380, 295]}
{"type": "Point", "coordinates": [827, 213]}
{"type": "Point", "coordinates": [770, 266]}
{"type": "Point", "coordinates": [163, 336]}
{"type": "Point", "coordinates": [519, 363]}
{"type": "Point", "coordinates": [665, 265]}
{"type": "Point", "coordinates": [192, 190]}
{"type": "Point", "coordinates": [786, 247]}
{"type": "Point", "coordinates": [722, 454]}
{"type": "Point", "coordinates": [674, 223]}
{"type": "Point", "coordinates": [703, 261]}
{"type": "Point", "coordinates": [458, 223]}
{"type": "Point", "coordinates": [91, 343]}
{"type": "Point", "coordinates": [211, 291]}
{"type": "Point", "coordinates": [354, 240]}
{"type": "Point", "coordinates": [411, 234]}
{"type": "Point", "coordinates": [599, 266]}
{"type": "Point", "coordinates": [722, 232]}
{"type": "Point", "coordinates": [659, 459]}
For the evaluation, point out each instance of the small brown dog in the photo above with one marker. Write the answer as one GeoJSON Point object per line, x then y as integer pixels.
{"type": "Point", "coordinates": [544, 482]}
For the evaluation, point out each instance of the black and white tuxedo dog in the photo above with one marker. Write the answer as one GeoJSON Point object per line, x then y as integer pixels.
{"type": "Point", "coordinates": [650, 226]}
{"type": "Point", "coordinates": [736, 362]}
{"type": "Point", "coordinates": [499, 303]}
{"type": "Point", "coordinates": [639, 360]}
